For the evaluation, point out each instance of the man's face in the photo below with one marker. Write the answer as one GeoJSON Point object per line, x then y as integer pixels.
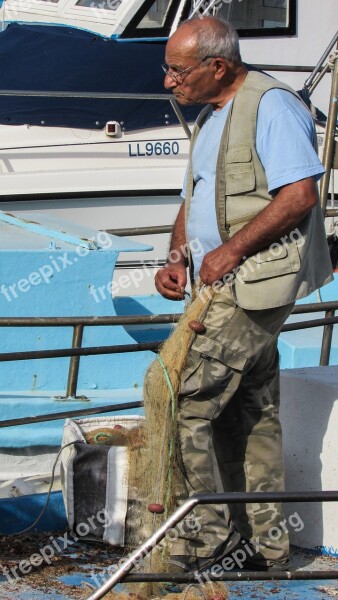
{"type": "Point", "coordinates": [189, 78]}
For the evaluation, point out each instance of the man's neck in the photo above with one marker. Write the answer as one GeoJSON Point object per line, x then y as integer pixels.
{"type": "Point", "coordinates": [232, 84]}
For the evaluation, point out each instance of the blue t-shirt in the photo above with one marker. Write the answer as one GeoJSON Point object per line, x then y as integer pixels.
{"type": "Point", "coordinates": [284, 144]}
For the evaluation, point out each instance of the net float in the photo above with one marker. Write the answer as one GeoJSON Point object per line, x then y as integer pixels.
{"type": "Point", "coordinates": [197, 326]}
{"type": "Point", "coordinates": [156, 508]}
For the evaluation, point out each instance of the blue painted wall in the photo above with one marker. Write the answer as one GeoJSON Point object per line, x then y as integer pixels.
{"type": "Point", "coordinates": [63, 280]}
{"type": "Point", "coordinates": [40, 276]}
{"type": "Point", "coordinates": [302, 348]}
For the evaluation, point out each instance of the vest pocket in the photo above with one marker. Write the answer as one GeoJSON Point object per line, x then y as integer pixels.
{"type": "Point", "coordinates": [234, 225]}
{"type": "Point", "coordinates": [278, 259]}
{"type": "Point", "coordinates": [239, 171]}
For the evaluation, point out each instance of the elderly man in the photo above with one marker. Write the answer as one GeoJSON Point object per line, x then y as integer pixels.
{"type": "Point", "coordinates": [250, 198]}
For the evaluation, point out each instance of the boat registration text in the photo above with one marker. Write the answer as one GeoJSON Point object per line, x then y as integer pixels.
{"type": "Point", "coordinates": [151, 148]}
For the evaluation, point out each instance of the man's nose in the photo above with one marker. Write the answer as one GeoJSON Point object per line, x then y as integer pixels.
{"type": "Point", "coordinates": [169, 82]}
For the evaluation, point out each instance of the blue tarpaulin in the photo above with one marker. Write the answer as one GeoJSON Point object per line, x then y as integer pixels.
{"type": "Point", "coordinates": [52, 58]}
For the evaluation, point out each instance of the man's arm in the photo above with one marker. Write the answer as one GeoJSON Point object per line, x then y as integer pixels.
{"type": "Point", "coordinates": [284, 213]}
{"type": "Point", "coordinates": [172, 279]}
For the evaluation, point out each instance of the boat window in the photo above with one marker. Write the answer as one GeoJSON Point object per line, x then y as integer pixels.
{"type": "Point", "coordinates": [156, 15]}
{"type": "Point", "coordinates": [254, 17]}
{"type": "Point", "coordinates": [155, 18]}
{"type": "Point", "coordinates": [251, 18]}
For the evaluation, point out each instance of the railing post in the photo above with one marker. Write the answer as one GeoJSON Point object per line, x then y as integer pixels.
{"type": "Point", "coordinates": [144, 549]}
{"type": "Point", "coordinates": [180, 117]}
{"type": "Point", "coordinates": [74, 362]}
{"type": "Point", "coordinates": [329, 141]}
{"type": "Point", "coordinates": [327, 341]}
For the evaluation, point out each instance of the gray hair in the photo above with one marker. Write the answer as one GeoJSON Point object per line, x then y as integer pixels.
{"type": "Point", "coordinates": [217, 38]}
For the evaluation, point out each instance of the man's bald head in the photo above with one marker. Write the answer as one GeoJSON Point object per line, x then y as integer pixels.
{"type": "Point", "coordinates": [208, 36]}
{"type": "Point", "coordinates": [204, 63]}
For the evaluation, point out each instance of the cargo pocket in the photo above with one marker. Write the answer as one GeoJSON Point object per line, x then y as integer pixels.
{"type": "Point", "coordinates": [211, 369]}
{"type": "Point", "coordinates": [239, 171]}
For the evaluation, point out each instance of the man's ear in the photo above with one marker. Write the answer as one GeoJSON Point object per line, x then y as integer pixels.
{"type": "Point", "coordinates": [221, 67]}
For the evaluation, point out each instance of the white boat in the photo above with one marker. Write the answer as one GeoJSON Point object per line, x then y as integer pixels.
{"type": "Point", "coordinates": [114, 164]}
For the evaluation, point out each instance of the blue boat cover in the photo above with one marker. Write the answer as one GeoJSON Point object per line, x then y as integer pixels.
{"type": "Point", "coordinates": [53, 58]}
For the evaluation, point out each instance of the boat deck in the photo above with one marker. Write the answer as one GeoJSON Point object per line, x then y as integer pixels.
{"type": "Point", "coordinates": [78, 569]}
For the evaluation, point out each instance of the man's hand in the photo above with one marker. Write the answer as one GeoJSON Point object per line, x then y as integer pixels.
{"type": "Point", "coordinates": [170, 281]}
{"type": "Point", "coordinates": [218, 263]}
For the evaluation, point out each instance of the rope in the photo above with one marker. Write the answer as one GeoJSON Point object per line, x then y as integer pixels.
{"type": "Point", "coordinates": [44, 508]}
{"type": "Point", "coordinates": [332, 59]}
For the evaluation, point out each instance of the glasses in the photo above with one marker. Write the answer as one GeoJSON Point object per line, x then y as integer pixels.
{"type": "Point", "coordinates": [178, 77]}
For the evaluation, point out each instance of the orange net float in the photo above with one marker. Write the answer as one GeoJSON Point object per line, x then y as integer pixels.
{"type": "Point", "coordinates": [197, 326]}
{"type": "Point", "coordinates": [156, 508]}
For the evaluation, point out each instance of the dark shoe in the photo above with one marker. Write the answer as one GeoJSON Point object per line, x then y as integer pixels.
{"type": "Point", "coordinates": [278, 566]}
{"type": "Point", "coordinates": [240, 557]}
{"type": "Point", "coordinates": [187, 564]}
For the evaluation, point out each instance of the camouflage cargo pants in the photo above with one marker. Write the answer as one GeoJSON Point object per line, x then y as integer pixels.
{"type": "Point", "coordinates": [229, 429]}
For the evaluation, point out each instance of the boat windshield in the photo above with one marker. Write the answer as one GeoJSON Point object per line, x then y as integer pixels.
{"type": "Point", "coordinates": [250, 17]}
{"type": "Point", "coordinates": [156, 15]}
{"type": "Point", "coordinates": [262, 14]}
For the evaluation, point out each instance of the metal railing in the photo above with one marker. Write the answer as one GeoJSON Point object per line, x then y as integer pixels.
{"type": "Point", "coordinates": [104, 96]}
{"type": "Point", "coordinates": [151, 230]}
{"type": "Point", "coordinates": [330, 143]}
{"type": "Point", "coordinates": [235, 497]}
{"type": "Point", "coordinates": [320, 69]}
{"type": "Point", "coordinates": [76, 350]}
{"type": "Point", "coordinates": [328, 322]}
{"type": "Point", "coordinates": [121, 574]}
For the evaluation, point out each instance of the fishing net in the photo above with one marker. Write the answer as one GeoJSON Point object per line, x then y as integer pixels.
{"type": "Point", "coordinates": [158, 470]}
{"type": "Point", "coordinates": [161, 388]}
{"type": "Point", "coordinates": [209, 591]}
{"type": "Point", "coordinates": [154, 480]}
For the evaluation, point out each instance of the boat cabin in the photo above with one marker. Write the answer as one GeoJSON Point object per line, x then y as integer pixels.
{"type": "Point", "coordinates": [152, 19]}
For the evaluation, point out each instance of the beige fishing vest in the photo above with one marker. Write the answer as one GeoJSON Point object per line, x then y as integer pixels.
{"type": "Point", "coordinates": [292, 267]}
